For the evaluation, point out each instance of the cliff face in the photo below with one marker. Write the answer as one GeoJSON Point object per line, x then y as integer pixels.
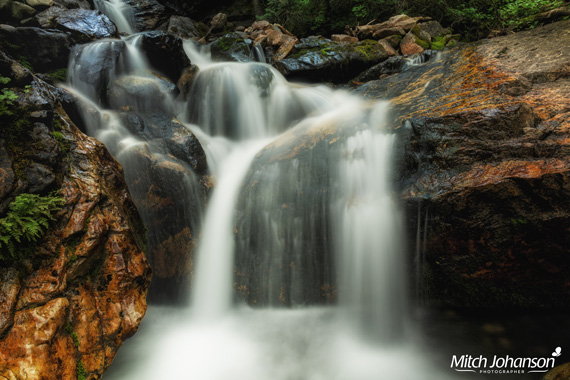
{"type": "Point", "coordinates": [70, 299]}
{"type": "Point", "coordinates": [485, 160]}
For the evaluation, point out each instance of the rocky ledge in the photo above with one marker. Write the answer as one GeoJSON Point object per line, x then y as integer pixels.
{"type": "Point", "coordinates": [485, 168]}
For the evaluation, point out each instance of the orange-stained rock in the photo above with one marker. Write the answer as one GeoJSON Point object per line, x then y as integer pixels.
{"type": "Point", "coordinates": [83, 290]}
{"type": "Point", "coordinates": [409, 46]}
{"type": "Point", "coordinates": [285, 48]}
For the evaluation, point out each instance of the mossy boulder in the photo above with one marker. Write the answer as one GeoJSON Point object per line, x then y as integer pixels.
{"type": "Point", "coordinates": [320, 59]}
{"type": "Point", "coordinates": [231, 47]}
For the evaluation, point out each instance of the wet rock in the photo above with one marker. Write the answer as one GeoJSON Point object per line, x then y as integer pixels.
{"type": "Point", "coordinates": [50, 50]}
{"type": "Point", "coordinates": [95, 65]}
{"type": "Point", "coordinates": [165, 53]}
{"type": "Point", "coordinates": [186, 80]}
{"type": "Point", "coordinates": [231, 47]}
{"type": "Point", "coordinates": [83, 24]}
{"type": "Point", "coordinates": [319, 59]}
{"type": "Point", "coordinates": [142, 94]}
{"type": "Point", "coordinates": [183, 27]}
{"type": "Point", "coordinates": [149, 15]}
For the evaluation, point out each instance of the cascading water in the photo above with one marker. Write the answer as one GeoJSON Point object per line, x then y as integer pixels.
{"type": "Point", "coordinates": [301, 213]}
{"type": "Point", "coordinates": [119, 12]}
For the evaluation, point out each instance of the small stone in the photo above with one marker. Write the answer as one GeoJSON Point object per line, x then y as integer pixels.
{"type": "Point", "coordinates": [344, 38]}
{"type": "Point", "coordinates": [394, 40]}
{"type": "Point", "coordinates": [260, 25]}
{"type": "Point", "coordinates": [274, 38]}
{"type": "Point", "coordinates": [219, 21]}
{"type": "Point", "coordinates": [388, 48]}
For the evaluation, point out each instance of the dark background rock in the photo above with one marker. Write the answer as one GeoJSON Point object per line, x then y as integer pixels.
{"type": "Point", "coordinates": [49, 51]}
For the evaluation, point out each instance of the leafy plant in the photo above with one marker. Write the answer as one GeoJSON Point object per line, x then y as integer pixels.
{"type": "Point", "coordinates": [81, 371]}
{"type": "Point", "coordinates": [26, 222]}
{"type": "Point", "coordinates": [7, 98]}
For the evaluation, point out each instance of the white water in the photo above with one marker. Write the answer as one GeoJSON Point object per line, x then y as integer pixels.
{"type": "Point", "coordinates": [236, 110]}
{"type": "Point", "coordinates": [118, 12]}
{"type": "Point", "coordinates": [212, 291]}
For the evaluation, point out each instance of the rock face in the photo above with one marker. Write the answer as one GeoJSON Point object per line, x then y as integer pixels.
{"type": "Point", "coordinates": [68, 304]}
{"type": "Point", "coordinates": [486, 160]}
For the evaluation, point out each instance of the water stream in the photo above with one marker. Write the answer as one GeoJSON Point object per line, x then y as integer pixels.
{"type": "Point", "coordinates": [302, 202]}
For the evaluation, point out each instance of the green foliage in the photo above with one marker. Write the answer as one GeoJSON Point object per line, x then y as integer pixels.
{"type": "Point", "coordinates": [7, 98]}
{"type": "Point", "coordinates": [514, 13]}
{"type": "Point", "coordinates": [471, 18]}
{"type": "Point", "coordinates": [26, 222]}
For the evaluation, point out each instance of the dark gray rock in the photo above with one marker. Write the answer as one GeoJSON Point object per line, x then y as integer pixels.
{"type": "Point", "coordinates": [50, 48]}
{"type": "Point", "coordinates": [183, 27]}
{"type": "Point", "coordinates": [83, 24]}
{"type": "Point", "coordinates": [149, 14]}
{"type": "Point", "coordinates": [165, 53]}
{"type": "Point", "coordinates": [231, 47]}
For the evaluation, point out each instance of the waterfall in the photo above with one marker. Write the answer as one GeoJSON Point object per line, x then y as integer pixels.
{"type": "Point", "coordinates": [120, 13]}
{"type": "Point", "coordinates": [302, 213]}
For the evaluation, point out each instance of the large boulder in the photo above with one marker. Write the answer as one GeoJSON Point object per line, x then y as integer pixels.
{"type": "Point", "coordinates": [149, 14]}
{"type": "Point", "coordinates": [165, 53]}
{"type": "Point", "coordinates": [484, 158]}
{"type": "Point", "coordinates": [83, 24]}
{"type": "Point", "coordinates": [50, 50]}
{"type": "Point", "coordinates": [70, 298]}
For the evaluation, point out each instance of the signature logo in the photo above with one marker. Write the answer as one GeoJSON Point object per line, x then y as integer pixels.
{"type": "Point", "coordinates": [504, 364]}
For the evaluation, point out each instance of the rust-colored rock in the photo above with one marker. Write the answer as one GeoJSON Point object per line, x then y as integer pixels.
{"type": "Point", "coordinates": [409, 46]}
{"type": "Point", "coordinates": [274, 37]}
{"type": "Point", "coordinates": [285, 48]}
{"type": "Point", "coordinates": [83, 290]}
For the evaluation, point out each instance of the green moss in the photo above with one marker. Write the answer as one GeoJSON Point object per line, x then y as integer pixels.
{"type": "Point", "coordinates": [81, 371]}
{"type": "Point", "coordinates": [72, 334]}
{"type": "Point", "coordinates": [298, 54]}
{"type": "Point", "coordinates": [64, 144]}
{"type": "Point", "coordinates": [422, 43]}
{"type": "Point", "coordinates": [451, 44]}
{"type": "Point", "coordinates": [367, 49]}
